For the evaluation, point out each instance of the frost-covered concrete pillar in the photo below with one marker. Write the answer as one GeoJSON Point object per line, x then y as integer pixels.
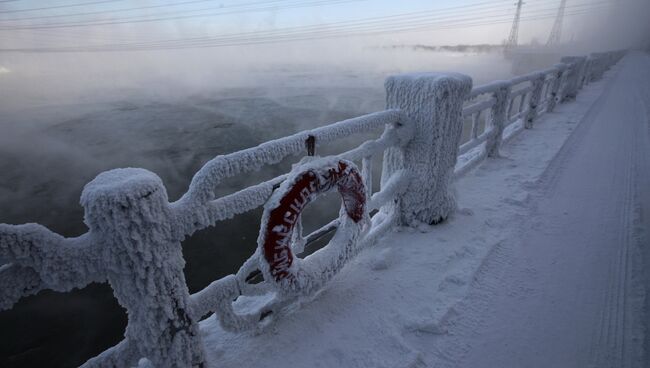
{"type": "Point", "coordinates": [581, 73]}
{"type": "Point", "coordinates": [556, 86]}
{"type": "Point", "coordinates": [432, 103]}
{"type": "Point", "coordinates": [573, 78]}
{"type": "Point", "coordinates": [128, 214]}
{"type": "Point", "coordinates": [586, 77]}
{"type": "Point", "coordinates": [604, 61]}
{"type": "Point", "coordinates": [498, 117]}
{"type": "Point", "coordinates": [599, 66]}
{"type": "Point", "coordinates": [535, 97]}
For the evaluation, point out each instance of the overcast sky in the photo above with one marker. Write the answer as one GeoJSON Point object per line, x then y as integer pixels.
{"type": "Point", "coordinates": [51, 46]}
{"type": "Point", "coordinates": [64, 23]}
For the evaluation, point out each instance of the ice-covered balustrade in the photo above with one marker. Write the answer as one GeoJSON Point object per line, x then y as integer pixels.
{"type": "Point", "coordinates": [135, 233]}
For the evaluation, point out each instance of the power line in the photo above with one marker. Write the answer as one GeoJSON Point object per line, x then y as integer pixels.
{"type": "Point", "coordinates": [48, 34]}
{"type": "Point", "coordinates": [469, 22]}
{"type": "Point", "coordinates": [124, 19]}
{"type": "Point", "coordinates": [123, 10]}
{"type": "Point", "coordinates": [59, 6]}
{"type": "Point", "coordinates": [315, 30]}
{"type": "Point", "coordinates": [293, 5]}
{"type": "Point", "coordinates": [130, 19]}
{"type": "Point", "coordinates": [398, 19]}
{"type": "Point", "coordinates": [404, 16]}
{"type": "Point", "coordinates": [403, 25]}
{"type": "Point", "coordinates": [408, 18]}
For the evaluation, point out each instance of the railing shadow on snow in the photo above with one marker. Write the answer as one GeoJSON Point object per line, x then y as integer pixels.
{"type": "Point", "coordinates": [135, 233]}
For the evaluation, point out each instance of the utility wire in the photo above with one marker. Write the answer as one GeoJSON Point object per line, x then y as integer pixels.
{"type": "Point", "coordinates": [320, 33]}
{"type": "Point", "coordinates": [126, 19]}
{"type": "Point", "coordinates": [326, 33]}
{"type": "Point", "coordinates": [45, 34]}
{"type": "Point", "coordinates": [374, 20]}
{"type": "Point", "coordinates": [357, 25]}
{"type": "Point", "coordinates": [59, 6]}
{"type": "Point", "coordinates": [361, 25]}
{"type": "Point", "coordinates": [294, 5]}
{"type": "Point", "coordinates": [123, 10]}
{"type": "Point", "coordinates": [334, 34]}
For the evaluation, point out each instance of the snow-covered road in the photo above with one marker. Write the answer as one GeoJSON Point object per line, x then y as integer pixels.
{"type": "Point", "coordinates": [542, 266]}
{"type": "Point", "coordinates": [567, 291]}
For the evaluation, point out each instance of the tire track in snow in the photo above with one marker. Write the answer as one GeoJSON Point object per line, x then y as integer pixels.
{"type": "Point", "coordinates": [621, 310]}
{"type": "Point", "coordinates": [550, 176]}
{"type": "Point", "coordinates": [612, 329]}
{"type": "Point", "coordinates": [580, 308]}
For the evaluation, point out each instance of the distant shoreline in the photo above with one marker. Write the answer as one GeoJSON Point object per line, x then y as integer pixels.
{"type": "Point", "coordinates": [478, 48]}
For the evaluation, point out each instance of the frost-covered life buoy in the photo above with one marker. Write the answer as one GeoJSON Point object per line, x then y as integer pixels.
{"type": "Point", "coordinates": [307, 181]}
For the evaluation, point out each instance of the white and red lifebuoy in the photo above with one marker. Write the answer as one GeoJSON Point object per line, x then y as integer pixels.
{"type": "Point", "coordinates": [281, 213]}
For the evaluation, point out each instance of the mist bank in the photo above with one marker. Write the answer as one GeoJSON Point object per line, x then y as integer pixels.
{"type": "Point", "coordinates": [59, 78]}
{"type": "Point", "coordinates": [478, 48]}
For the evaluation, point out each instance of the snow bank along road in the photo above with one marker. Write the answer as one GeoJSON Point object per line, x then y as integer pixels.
{"type": "Point", "coordinates": [542, 266]}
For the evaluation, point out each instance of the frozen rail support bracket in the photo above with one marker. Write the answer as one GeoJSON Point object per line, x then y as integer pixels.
{"type": "Point", "coordinates": [498, 117]}
{"type": "Point", "coordinates": [576, 69]}
{"type": "Point", "coordinates": [433, 103]}
{"type": "Point", "coordinates": [537, 82]}
{"type": "Point", "coordinates": [556, 84]}
{"type": "Point", "coordinates": [133, 244]}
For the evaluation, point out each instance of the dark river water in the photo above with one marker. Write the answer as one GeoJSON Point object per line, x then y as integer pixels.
{"type": "Point", "coordinates": [49, 151]}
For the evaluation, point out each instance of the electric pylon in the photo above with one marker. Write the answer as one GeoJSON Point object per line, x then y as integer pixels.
{"type": "Point", "coordinates": [556, 32]}
{"type": "Point", "coordinates": [514, 32]}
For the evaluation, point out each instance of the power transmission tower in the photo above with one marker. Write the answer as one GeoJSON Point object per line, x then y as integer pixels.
{"type": "Point", "coordinates": [514, 32]}
{"type": "Point", "coordinates": [556, 32]}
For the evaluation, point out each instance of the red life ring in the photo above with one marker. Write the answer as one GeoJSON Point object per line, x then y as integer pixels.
{"type": "Point", "coordinates": [282, 210]}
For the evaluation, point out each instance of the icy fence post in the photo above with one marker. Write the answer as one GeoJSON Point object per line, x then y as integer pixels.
{"type": "Point", "coordinates": [498, 117]}
{"type": "Point", "coordinates": [601, 62]}
{"type": "Point", "coordinates": [535, 97]}
{"type": "Point", "coordinates": [556, 86]}
{"type": "Point", "coordinates": [599, 66]}
{"type": "Point", "coordinates": [433, 102]}
{"type": "Point", "coordinates": [576, 64]}
{"type": "Point", "coordinates": [128, 214]}
{"type": "Point", "coordinates": [133, 243]}
{"type": "Point", "coordinates": [581, 74]}
{"type": "Point", "coordinates": [589, 65]}
{"type": "Point", "coordinates": [39, 259]}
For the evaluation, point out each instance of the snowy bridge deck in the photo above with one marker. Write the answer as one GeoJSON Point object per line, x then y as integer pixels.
{"type": "Point", "coordinates": [539, 267]}
{"type": "Point", "coordinates": [389, 305]}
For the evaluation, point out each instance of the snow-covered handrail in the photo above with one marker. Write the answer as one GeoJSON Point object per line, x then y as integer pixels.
{"type": "Point", "coordinates": [210, 175]}
{"type": "Point", "coordinates": [135, 233]}
{"type": "Point", "coordinates": [227, 292]}
{"type": "Point", "coordinates": [516, 103]}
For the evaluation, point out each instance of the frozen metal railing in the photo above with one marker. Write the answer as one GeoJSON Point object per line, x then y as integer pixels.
{"type": "Point", "coordinates": [199, 202]}
{"type": "Point", "coordinates": [475, 137]}
{"type": "Point", "coordinates": [515, 104]}
{"type": "Point", "coordinates": [135, 233]}
{"type": "Point", "coordinates": [221, 297]}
